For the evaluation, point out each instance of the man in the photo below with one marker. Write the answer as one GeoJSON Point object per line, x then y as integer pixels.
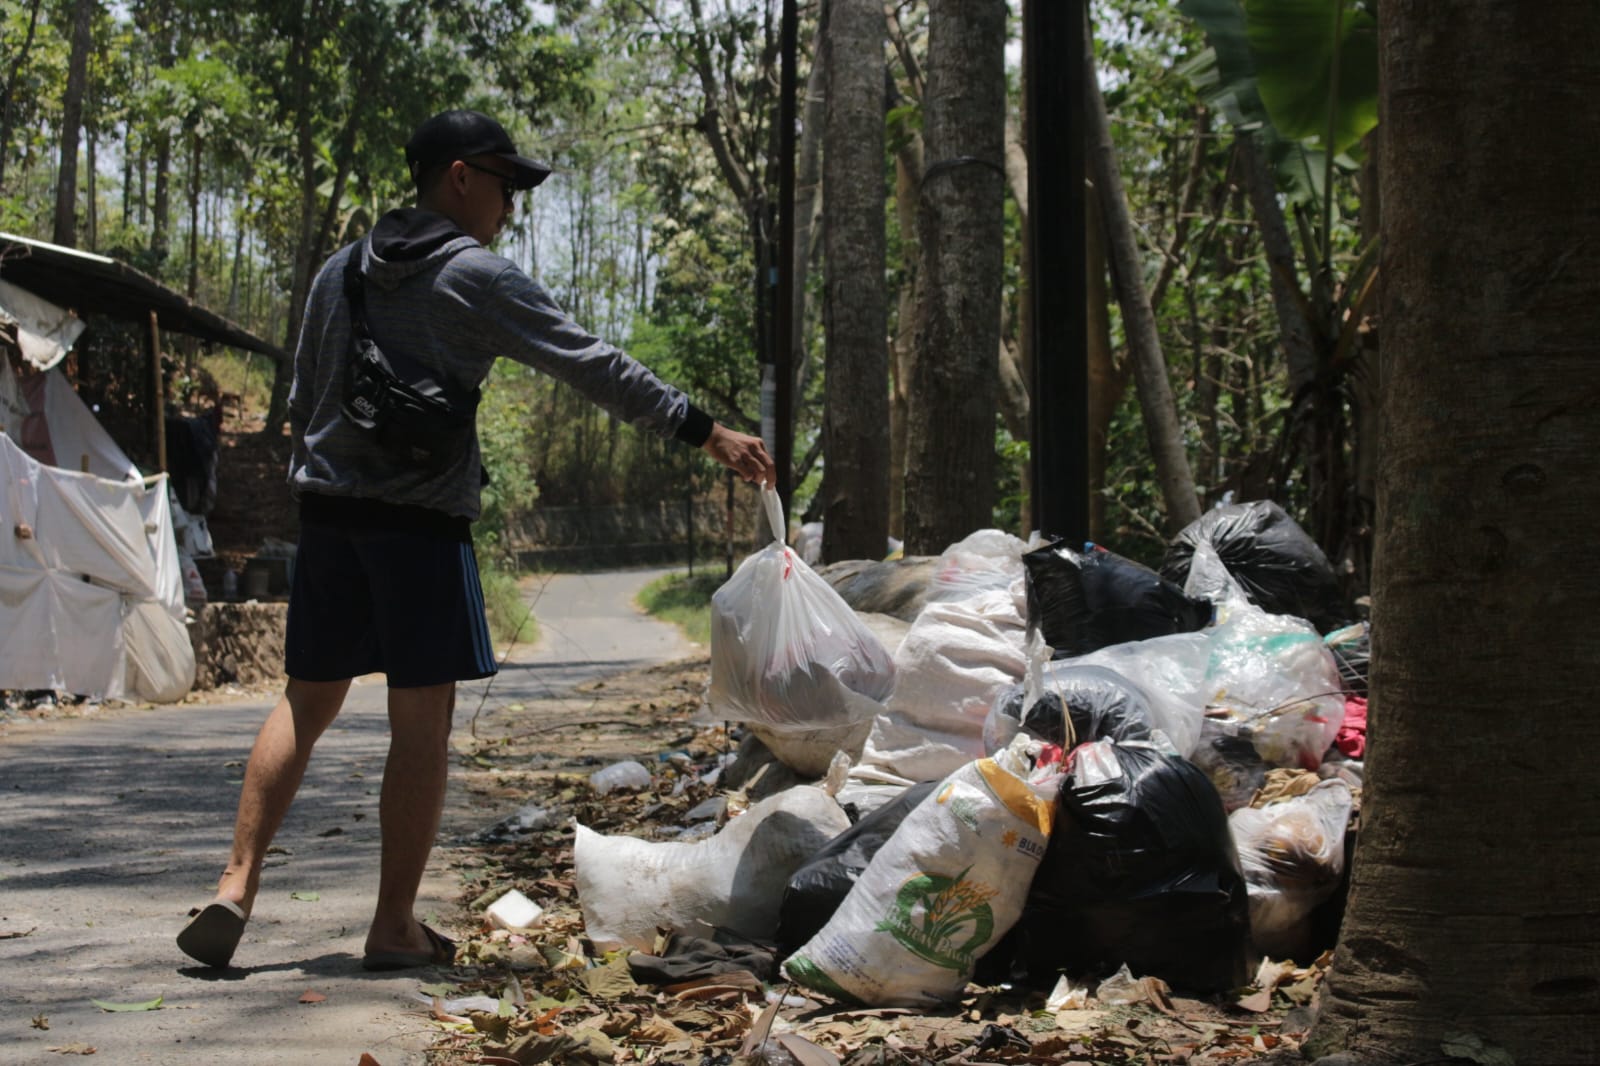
{"type": "Point", "coordinates": [385, 578]}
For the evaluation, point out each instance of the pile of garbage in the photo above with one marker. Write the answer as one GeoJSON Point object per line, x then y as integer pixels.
{"type": "Point", "coordinates": [1049, 765]}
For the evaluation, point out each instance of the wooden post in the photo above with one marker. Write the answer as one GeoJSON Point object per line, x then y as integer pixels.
{"type": "Point", "coordinates": [158, 397]}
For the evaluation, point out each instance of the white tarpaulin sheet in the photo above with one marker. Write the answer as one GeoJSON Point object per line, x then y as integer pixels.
{"type": "Point", "coordinates": [45, 332]}
{"type": "Point", "coordinates": [57, 427]}
{"type": "Point", "coordinates": [91, 600]}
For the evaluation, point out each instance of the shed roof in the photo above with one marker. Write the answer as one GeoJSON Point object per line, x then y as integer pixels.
{"type": "Point", "coordinates": [95, 284]}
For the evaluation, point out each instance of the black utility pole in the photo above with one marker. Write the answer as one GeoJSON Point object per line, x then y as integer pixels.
{"type": "Point", "coordinates": [783, 415]}
{"type": "Point", "coordinates": [1052, 58]}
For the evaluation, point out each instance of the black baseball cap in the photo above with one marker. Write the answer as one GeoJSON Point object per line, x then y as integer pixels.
{"type": "Point", "coordinates": [452, 135]}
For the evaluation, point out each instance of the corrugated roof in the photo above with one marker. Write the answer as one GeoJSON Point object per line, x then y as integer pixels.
{"type": "Point", "coordinates": [95, 284]}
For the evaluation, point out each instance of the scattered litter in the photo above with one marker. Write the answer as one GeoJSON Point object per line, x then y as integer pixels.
{"type": "Point", "coordinates": [513, 911]}
{"type": "Point", "coordinates": [626, 775]}
{"type": "Point", "coordinates": [312, 996]}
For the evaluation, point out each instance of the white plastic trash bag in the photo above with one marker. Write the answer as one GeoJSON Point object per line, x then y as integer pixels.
{"type": "Point", "coordinates": [734, 881]}
{"type": "Point", "coordinates": [786, 650]}
{"type": "Point", "coordinates": [946, 886]}
{"type": "Point", "coordinates": [1292, 854]}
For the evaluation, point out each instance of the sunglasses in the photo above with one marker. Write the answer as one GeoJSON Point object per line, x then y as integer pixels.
{"type": "Point", "coordinates": [507, 190]}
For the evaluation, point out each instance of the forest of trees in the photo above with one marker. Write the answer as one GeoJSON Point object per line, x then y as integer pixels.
{"type": "Point", "coordinates": [228, 149]}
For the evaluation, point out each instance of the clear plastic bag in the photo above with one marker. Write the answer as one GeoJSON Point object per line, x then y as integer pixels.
{"type": "Point", "coordinates": [786, 651]}
{"type": "Point", "coordinates": [1292, 854]}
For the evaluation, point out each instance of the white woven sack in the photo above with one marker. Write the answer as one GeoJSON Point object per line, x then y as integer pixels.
{"type": "Point", "coordinates": [946, 886]}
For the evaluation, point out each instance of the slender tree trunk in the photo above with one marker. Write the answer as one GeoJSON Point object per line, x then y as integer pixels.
{"type": "Point", "coordinates": [1295, 330]}
{"type": "Point", "coordinates": [160, 208]}
{"type": "Point", "coordinates": [1144, 345]}
{"type": "Point", "coordinates": [950, 469]}
{"type": "Point", "coordinates": [18, 65]}
{"type": "Point", "coordinates": [92, 212]}
{"type": "Point", "coordinates": [1471, 911]}
{"type": "Point", "coordinates": [127, 176]}
{"type": "Point", "coordinates": [194, 213]}
{"type": "Point", "coordinates": [66, 217]}
{"type": "Point", "coordinates": [856, 478]}
{"type": "Point", "coordinates": [1107, 381]}
{"type": "Point", "coordinates": [908, 176]}
{"type": "Point", "coordinates": [807, 175]}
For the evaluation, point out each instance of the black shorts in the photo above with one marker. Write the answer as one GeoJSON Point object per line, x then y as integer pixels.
{"type": "Point", "coordinates": [375, 595]}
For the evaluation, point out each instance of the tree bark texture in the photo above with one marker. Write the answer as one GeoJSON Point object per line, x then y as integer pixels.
{"type": "Point", "coordinates": [1160, 411]}
{"type": "Point", "coordinates": [950, 442]}
{"type": "Point", "coordinates": [1474, 904]}
{"type": "Point", "coordinates": [856, 477]}
{"type": "Point", "coordinates": [66, 217]}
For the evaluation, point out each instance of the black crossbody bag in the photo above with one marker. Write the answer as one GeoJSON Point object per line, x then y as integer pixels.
{"type": "Point", "coordinates": [412, 414]}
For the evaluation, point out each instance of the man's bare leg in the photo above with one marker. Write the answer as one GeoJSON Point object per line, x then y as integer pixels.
{"type": "Point", "coordinates": [409, 808]}
{"type": "Point", "coordinates": [277, 764]}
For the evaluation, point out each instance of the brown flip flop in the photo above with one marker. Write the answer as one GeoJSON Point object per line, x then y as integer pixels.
{"type": "Point", "coordinates": [213, 933]}
{"type": "Point", "coordinates": [441, 952]}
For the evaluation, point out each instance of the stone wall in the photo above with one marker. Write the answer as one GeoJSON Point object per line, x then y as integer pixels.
{"type": "Point", "coordinates": [238, 644]}
{"type": "Point", "coordinates": [630, 535]}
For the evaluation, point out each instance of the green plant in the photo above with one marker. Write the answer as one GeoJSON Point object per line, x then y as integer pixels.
{"type": "Point", "coordinates": [684, 601]}
{"type": "Point", "coordinates": [509, 617]}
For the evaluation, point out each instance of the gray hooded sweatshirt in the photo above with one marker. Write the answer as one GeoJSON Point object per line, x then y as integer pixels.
{"type": "Point", "coordinates": [437, 296]}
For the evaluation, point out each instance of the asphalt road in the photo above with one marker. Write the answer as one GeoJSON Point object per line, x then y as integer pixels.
{"type": "Point", "coordinates": [112, 826]}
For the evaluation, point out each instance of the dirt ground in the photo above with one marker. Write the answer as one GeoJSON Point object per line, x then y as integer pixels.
{"type": "Point", "coordinates": [551, 997]}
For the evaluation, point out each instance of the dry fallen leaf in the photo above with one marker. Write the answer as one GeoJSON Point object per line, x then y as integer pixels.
{"type": "Point", "coordinates": [368, 1060]}
{"type": "Point", "coordinates": [73, 1049]}
{"type": "Point", "coordinates": [41, 1021]}
{"type": "Point", "coordinates": [312, 996]}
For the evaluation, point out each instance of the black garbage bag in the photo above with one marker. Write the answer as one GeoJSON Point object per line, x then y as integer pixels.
{"type": "Point", "coordinates": [1140, 869]}
{"type": "Point", "coordinates": [1276, 562]}
{"type": "Point", "coordinates": [1083, 601]}
{"type": "Point", "coordinates": [816, 889]}
{"type": "Point", "coordinates": [1099, 703]}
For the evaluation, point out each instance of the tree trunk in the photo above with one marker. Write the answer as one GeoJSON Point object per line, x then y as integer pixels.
{"type": "Point", "coordinates": [159, 208]}
{"type": "Point", "coordinates": [806, 177]}
{"type": "Point", "coordinates": [91, 211]}
{"type": "Point", "coordinates": [856, 477]}
{"type": "Point", "coordinates": [1144, 345]}
{"type": "Point", "coordinates": [1473, 905]}
{"type": "Point", "coordinates": [1107, 381]}
{"type": "Point", "coordinates": [950, 443]}
{"type": "Point", "coordinates": [194, 214]}
{"type": "Point", "coordinates": [66, 218]}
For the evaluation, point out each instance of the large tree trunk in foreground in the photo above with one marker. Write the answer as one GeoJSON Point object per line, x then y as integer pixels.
{"type": "Point", "coordinates": [1474, 907]}
{"type": "Point", "coordinates": [856, 479]}
{"type": "Point", "coordinates": [950, 440]}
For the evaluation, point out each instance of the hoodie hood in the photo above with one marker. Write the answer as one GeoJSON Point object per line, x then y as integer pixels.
{"type": "Point", "coordinates": [409, 240]}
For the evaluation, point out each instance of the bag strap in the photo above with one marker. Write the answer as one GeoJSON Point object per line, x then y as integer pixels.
{"type": "Point", "coordinates": [355, 290]}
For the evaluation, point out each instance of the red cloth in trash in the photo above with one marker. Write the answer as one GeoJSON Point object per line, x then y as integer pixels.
{"type": "Point", "coordinates": [1352, 738]}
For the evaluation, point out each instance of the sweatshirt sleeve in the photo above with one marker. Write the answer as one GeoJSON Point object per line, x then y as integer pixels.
{"type": "Point", "coordinates": [524, 323]}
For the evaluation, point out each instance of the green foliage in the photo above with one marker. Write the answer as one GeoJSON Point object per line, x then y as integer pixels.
{"type": "Point", "coordinates": [509, 616]}
{"type": "Point", "coordinates": [504, 424]}
{"type": "Point", "coordinates": [684, 601]}
{"type": "Point", "coordinates": [1304, 73]}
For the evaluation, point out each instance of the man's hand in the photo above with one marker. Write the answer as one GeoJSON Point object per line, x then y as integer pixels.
{"type": "Point", "coordinates": [743, 454]}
